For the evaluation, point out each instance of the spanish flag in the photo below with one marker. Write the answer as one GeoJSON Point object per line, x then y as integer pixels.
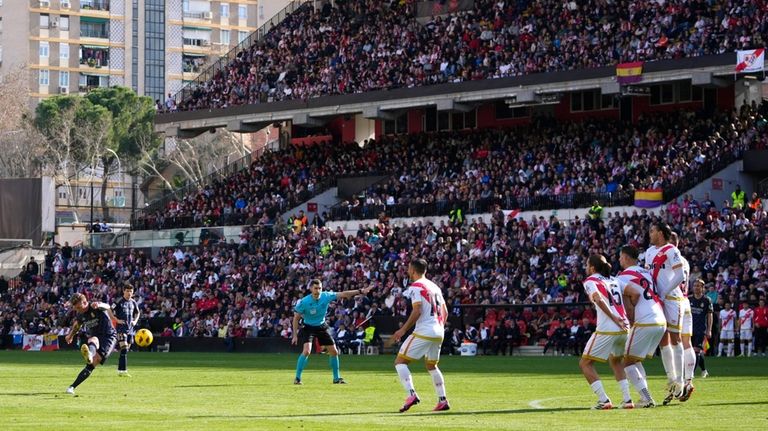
{"type": "Point", "coordinates": [649, 198]}
{"type": "Point", "coordinates": [629, 73]}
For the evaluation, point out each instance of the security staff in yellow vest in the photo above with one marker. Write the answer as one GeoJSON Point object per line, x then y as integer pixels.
{"type": "Point", "coordinates": [595, 214]}
{"type": "Point", "coordinates": [739, 198]}
{"type": "Point", "coordinates": [456, 216]}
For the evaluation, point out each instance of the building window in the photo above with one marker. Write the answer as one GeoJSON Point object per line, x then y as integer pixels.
{"type": "Point", "coordinates": [64, 51]}
{"type": "Point", "coordinates": [64, 22]}
{"type": "Point", "coordinates": [241, 36]}
{"type": "Point", "coordinates": [225, 37]}
{"type": "Point", "coordinates": [63, 79]}
{"type": "Point", "coordinates": [242, 11]}
{"type": "Point", "coordinates": [43, 50]}
{"type": "Point", "coordinates": [43, 77]}
{"type": "Point", "coordinates": [45, 20]}
{"type": "Point", "coordinates": [225, 9]}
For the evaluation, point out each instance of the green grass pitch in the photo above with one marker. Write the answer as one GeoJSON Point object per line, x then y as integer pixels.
{"type": "Point", "coordinates": [202, 391]}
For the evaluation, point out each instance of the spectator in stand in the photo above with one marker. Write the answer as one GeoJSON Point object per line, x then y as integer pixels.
{"type": "Point", "coordinates": [367, 45]}
{"type": "Point", "coordinates": [738, 197]}
{"type": "Point", "coordinates": [761, 327]}
{"type": "Point", "coordinates": [544, 164]}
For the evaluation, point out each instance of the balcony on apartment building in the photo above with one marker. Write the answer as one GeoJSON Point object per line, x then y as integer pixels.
{"type": "Point", "coordinates": [94, 56]}
{"type": "Point", "coordinates": [94, 28]}
{"type": "Point", "coordinates": [96, 5]}
{"type": "Point", "coordinates": [204, 15]}
{"type": "Point", "coordinates": [89, 82]}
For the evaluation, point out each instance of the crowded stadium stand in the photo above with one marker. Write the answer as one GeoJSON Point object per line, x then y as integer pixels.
{"type": "Point", "coordinates": [502, 141]}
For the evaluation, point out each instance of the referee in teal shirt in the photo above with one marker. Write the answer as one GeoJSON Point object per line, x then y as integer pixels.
{"type": "Point", "coordinates": [312, 310]}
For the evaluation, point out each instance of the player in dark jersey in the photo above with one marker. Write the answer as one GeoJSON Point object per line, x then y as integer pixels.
{"type": "Point", "coordinates": [127, 310]}
{"type": "Point", "coordinates": [96, 318]}
{"type": "Point", "coordinates": [701, 312]}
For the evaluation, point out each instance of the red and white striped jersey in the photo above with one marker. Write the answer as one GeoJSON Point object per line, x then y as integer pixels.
{"type": "Point", "coordinates": [649, 308]}
{"type": "Point", "coordinates": [431, 323]}
{"type": "Point", "coordinates": [727, 318]}
{"type": "Point", "coordinates": [608, 288]}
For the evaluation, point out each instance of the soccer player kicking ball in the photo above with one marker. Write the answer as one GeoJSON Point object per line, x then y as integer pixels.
{"type": "Point", "coordinates": [312, 310]}
{"type": "Point", "coordinates": [97, 318]}
{"type": "Point", "coordinates": [607, 343]}
{"type": "Point", "coordinates": [646, 312]}
{"type": "Point", "coordinates": [429, 314]}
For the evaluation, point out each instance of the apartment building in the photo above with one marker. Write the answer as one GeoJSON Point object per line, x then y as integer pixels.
{"type": "Point", "coordinates": [152, 46]}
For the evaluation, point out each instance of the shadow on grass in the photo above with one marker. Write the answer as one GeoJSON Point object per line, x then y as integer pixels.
{"type": "Point", "coordinates": [239, 385]}
{"type": "Point", "coordinates": [745, 403]}
{"type": "Point", "coordinates": [545, 367]}
{"type": "Point", "coordinates": [395, 413]}
{"type": "Point", "coordinates": [28, 394]}
{"type": "Point", "coordinates": [309, 415]}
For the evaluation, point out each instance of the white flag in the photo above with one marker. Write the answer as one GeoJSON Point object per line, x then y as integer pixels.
{"type": "Point", "coordinates": [752, 60]}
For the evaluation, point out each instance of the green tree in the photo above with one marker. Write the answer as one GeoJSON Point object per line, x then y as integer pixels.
{"type": "Point", "coordinates": [132, 123]}
{"type": "Point", "coordinates": [99, 130]}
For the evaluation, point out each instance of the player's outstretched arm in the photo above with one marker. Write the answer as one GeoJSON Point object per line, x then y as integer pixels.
{"type": "Point", "coordinates": [354, 292]}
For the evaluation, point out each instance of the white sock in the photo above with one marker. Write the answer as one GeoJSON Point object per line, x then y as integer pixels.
{"type": "Point", "coordinates": [638, 381]}
{"type": "Point", "coordinates": [668, 360]}
{"type": "Point", "coordinates": [624, 385]}
{"type": "Point", "coordinates": [730, 349]}
{"type": "Point", "coordinates": [597, 388]}
{"type": "Point", "coordinates": [690, 363]}
{"type": "Point", "coordinates": [678, 351]}
{"type": "Point", "coordinates": [749, 348]}
{"type": "Point", "coordinates": [720, 349]}
{"type": "Point", "coordinates": [437, 380]}
{"type": "Point", "coordinates": [641, 368]}
{"type": "Point", "coordinates": [405, 378]}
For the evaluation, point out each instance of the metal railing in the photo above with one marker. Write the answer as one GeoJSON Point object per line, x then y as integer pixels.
{"type": "Point", "coordinates": [705, 171]}
{"type": "Point", "coordinates": [478, 206]}
{"type": "Point", "coordinates": [93, 32]}
{"type": "Point", "coordinates": [148, 220]}
{"type": "Point", "coordinates": [222, 63]}
{"type": "Point", "coordinates": [94, 4]}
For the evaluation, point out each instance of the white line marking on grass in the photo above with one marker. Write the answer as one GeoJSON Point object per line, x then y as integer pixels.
{"type": "Point", "coordinates": [536, 404]}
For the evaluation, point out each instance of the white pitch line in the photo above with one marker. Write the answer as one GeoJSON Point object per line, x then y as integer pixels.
{"type": "Point", "coordinates": [536, 404]}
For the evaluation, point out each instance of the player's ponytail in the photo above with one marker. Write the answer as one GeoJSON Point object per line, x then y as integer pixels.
{"type": "Point", "coordinates": [598, 262]}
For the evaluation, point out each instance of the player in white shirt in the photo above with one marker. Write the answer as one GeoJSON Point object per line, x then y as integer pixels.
{"type": "Point", "coordinates": [727, 320]}
{"type": "Point", "coordinates": [746, 317]}
{"type": "Point", "coordinates": [608, 341]}
{"type": "Point", "coordinates": [428, 315]}
{"type": "Point", "coordinates": [686, 332]}
{"type": "Point", "coordinates": [646, 313]}
{"type": "Point", "coordinates": [664, 261]}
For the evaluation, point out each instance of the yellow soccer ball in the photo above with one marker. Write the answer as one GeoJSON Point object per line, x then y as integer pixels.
{"type": "Point", "coordinates": [143, 337]}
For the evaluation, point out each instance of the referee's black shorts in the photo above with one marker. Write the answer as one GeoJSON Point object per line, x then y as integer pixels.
{"type": "Point", "coordinates": [322, 333]}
